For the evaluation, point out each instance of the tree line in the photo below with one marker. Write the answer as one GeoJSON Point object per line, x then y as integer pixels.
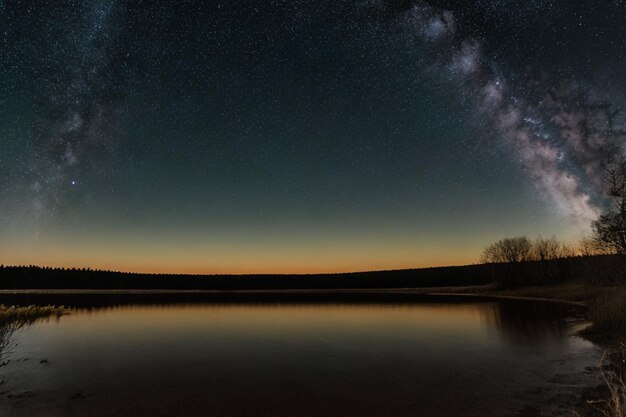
{"type": "Point", "coordinates": [523, 249]}
{"type": "Point", "coordinates": [608, 232]}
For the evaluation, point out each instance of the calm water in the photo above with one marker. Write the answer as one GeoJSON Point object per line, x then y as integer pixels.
{"type": "Point", "coordinates": [281, 359]}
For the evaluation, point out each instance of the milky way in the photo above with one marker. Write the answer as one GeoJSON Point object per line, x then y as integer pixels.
{"type": "Point", "coordinates": [79, 73]}
{"type": "Point", "coordinates": [566, 127]}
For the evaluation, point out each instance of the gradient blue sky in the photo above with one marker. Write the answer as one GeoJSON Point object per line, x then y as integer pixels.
{"type": "Point", "coordinates": [298, 136]}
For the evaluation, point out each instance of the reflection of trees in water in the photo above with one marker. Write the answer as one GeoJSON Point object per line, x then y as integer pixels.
{"type": "Point", "coordinates": [530, 322]}
{"type": "Point", "coordinates": [14, 318]}
{"type": "Point", "coordinates": [6, 335]}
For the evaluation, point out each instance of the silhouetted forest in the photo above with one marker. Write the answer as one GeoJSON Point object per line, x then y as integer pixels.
{"type": "Point", "coordinates": [33, 277]}
{"type": "Point", "coordinates": [599, 270]}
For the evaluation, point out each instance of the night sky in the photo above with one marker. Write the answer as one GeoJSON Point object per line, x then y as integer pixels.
{"type": "Point", "coordinates": [302, 136]}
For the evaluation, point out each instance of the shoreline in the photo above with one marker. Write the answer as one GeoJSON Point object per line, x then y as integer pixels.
{"type": "Point", "coordinates": [481, 292]}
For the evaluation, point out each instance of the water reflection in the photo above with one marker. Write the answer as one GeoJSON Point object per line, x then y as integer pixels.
{"type": "Point", "coordinates": [531, 322]}
{"type": "Point", "coordinates": [12, 319]}
{"type": "Point", "coordinates": [6, 337]}
{"type": "Point", "coordinates": [280, 357]}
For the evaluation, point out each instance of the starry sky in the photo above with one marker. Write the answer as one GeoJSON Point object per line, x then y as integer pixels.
{"type": "Point", "coordinates": [303, 135]}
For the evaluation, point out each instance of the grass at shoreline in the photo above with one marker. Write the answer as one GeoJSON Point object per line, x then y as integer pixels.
{"type": "Point", "coordinates": [13, 318]}
{"type": "Point", "coordinates": [613, 370]}
{"type": "Point", "coordinates": [11, 315]}
{"type": "Point", "coordinates": [608, 311]}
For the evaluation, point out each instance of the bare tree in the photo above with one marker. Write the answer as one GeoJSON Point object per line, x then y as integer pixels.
{"type": "Point", "coordinates": [516, 249]}
{"type": "Point", "coordinates": [610, 228]}
{"type": "Point", "coordinates": [567, 251]}
{"type": "Point", "coordinates": [591, 246]}
{"type": "Point", "coordinates": [545, 249]}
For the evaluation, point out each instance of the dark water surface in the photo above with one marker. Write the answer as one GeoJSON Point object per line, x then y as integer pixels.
{"type": "Point", "coordinates": [434, 358]}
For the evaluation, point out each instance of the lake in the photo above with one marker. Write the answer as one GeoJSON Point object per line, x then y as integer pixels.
{"type": "Point", "coordinates": [431, 356]}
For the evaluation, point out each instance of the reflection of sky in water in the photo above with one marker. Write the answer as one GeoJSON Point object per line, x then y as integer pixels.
{"type": "Point", "coordinates": [291, 360]}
